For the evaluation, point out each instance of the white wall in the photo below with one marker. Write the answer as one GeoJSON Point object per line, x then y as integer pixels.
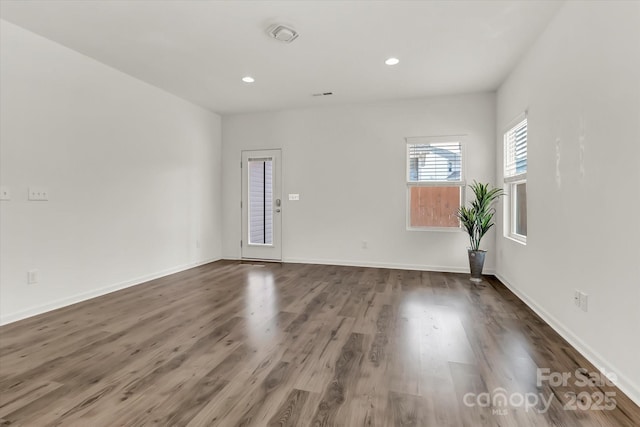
{"type": "Point", "coordinates": [581, 85]}
{"type": "Point", "coordinates": [133, 175]}
{"type": "Point", "coordinates": [348, 165]}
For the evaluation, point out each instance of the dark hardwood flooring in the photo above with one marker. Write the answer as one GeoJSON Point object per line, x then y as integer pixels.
{"type": "Point", "coordinates": [232, 344]}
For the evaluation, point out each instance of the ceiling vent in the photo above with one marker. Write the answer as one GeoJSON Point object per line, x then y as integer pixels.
{"type": "Point", "coordinates": [283, 33]}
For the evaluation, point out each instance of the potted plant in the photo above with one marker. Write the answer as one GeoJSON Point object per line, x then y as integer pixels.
{"type": "Point", "coordinates": [477, 219]}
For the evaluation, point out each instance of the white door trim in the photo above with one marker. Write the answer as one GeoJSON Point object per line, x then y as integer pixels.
{"type": "Point", "coordinates": [272, 251]}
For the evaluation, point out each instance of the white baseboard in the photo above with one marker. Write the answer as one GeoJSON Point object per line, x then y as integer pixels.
{"type": "Point", "coordinates": [625, 384]}
{"type": "Point", "coordinates": [389, 265]}
{"type": "Point", "coordinates": [374, 264]}
{"type": "Point", "coordinates": [63, 302]}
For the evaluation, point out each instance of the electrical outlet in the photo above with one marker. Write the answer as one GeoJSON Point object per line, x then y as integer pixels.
{"type": "Point", "coordinates": [294, 196]}
{"type": "Point", "coordinates": [584, 301]}
{"type": "Point", "coordinates": [32, 277]}
{"type": "Point", "coordinates": [576, 298]}
{"type": "Point", "coordinates": [5, 193]}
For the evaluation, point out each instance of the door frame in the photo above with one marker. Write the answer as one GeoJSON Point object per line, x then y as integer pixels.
{"type": "Point", "coordinates": [271, 253]}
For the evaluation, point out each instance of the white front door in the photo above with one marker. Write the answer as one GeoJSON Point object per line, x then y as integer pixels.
{"type": "Point", "coordinates": [261, 205]}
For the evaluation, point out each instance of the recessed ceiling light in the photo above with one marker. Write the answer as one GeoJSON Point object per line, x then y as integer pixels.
{"type": "Point", "coordinates": [248, 79]}
{"type": "Point", "coordinates": [392, 61]}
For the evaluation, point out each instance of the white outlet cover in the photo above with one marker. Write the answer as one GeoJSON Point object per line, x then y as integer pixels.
{"type": "Point", "coordinates": [5, 193]}
{"type": "Point", "coordinates": [32, 277]}
{"type": "Point", "coordinates": [294, 196]}
{"type": "Point", "coordinates": [584, 301]}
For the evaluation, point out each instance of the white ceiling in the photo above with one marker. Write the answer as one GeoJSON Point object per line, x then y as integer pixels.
{"type": "Point", "coordinates": [199, 50]}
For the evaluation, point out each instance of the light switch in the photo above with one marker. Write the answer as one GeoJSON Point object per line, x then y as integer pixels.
{"type": "Point", "coordinates": [294, 197]}
{"type": "Point", "coordinates": [38, 194]}
{"type": "Point", "coordinates": [5, 193]}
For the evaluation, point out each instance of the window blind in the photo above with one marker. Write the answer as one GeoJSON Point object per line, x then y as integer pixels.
{"type": "Point", "coordinates": [515, 150]}
{"type": "Point", "coordinates": [260, 201]}
{"type": "Point", "coordinates": [435, 162]}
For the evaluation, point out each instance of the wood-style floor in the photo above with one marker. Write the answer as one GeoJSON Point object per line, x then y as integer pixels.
{"type": "Point", "coordinates": [230, 344]}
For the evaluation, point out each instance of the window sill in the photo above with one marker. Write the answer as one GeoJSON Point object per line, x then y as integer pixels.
{"type": "Point", "coordinates": [517, 239]}
{"type": "Point", "coordinates": [445, 229]}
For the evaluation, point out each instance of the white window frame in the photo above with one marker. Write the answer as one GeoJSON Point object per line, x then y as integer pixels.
{"type": "Point", "coordinates": [511, 209]}
{"type": "Point", "coordinates": [510, 182]}
{"type": "Point", "coordinates": [461, 139]}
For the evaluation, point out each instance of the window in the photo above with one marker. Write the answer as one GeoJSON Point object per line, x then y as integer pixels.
{"type": "Point", "coordinates": [515, 181]}
{"type": "Point", "coordinates": [435, 182]}
{"type": "Point", "coordinates": [260, 201]}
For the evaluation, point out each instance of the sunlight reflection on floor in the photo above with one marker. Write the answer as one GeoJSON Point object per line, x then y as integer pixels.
{"type": "Point", "coordinates": [261, 306]}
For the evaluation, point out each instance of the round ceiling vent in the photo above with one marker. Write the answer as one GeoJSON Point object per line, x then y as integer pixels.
{"type": "Point", "coordinates": [283, 33]}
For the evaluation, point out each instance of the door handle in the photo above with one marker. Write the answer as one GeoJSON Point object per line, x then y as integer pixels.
{"type": "Point", "coordinates": [278, 202]}
{"type": "Point", "coordinates": [277, 210]}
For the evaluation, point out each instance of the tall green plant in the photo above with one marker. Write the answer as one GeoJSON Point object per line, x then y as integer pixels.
{"type": "Point", "coordinates": [477, 219]}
